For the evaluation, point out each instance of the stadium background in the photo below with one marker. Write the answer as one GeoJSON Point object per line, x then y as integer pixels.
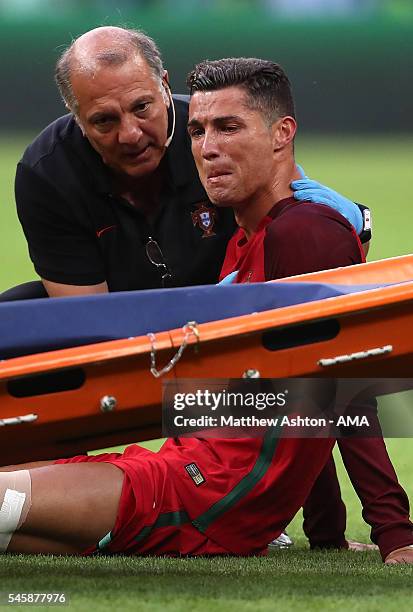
{"type": "Point", "coordinates": [351, 65]}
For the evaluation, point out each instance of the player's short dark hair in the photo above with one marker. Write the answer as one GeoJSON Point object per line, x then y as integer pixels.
{"type": "Point", "coordinates": [266, 84]}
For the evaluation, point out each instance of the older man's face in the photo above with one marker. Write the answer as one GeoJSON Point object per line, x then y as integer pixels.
{"type": "Point", "coordinates": [123, 113]}
{"type": "Point", "coordinates": [232, 146]}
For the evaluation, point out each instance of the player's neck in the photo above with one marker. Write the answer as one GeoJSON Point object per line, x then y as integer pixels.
{"type": "Point", "coordinates": [250, 213]}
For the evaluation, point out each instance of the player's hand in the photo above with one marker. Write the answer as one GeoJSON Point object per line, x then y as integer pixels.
{"type": "Point", "coordinates": [229, 278]}
{"type": "Point", "coordinates": [306, 190]}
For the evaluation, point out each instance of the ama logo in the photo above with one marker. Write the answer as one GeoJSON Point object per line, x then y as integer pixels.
{"type": "Point", "coordinates": [357, 421]}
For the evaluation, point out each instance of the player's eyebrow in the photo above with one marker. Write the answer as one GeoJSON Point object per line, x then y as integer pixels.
{"type": "Point", "coordinates": [217, 120]}
{"type": "Point", "coordinates": [227, 118]}
{"type": "Point", "coordinates": [193, 123]}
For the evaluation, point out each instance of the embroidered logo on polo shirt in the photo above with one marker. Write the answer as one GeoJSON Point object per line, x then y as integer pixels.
{"type": "Point", "coordinates": [102, 231]}
{"type": "Point", "coordinates": [204, 217]}
{"type": "Point", "coordinates": [195, 473]}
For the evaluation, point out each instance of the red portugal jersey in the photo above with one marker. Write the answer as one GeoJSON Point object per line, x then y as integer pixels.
{"type": "Point", "coordinates": [293, 238]}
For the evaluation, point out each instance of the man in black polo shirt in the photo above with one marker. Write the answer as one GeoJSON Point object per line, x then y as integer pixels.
{"type": "Point", "coordinates": [108, 196]}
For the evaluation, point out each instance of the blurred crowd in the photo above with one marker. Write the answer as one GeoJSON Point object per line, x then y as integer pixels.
{"type": "Point", "coordinates": [287, 8]}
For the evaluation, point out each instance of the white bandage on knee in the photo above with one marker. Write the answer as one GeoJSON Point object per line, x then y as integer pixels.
{"type": "Point", "coordinates": [15, 500]}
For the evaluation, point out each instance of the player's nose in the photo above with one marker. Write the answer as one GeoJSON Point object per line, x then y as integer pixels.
{"type": "Point", "coordinates": [209, 148]}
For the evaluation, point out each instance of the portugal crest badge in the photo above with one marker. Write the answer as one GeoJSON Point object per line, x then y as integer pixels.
{"type": "Point", "coordinates": [204, 217]}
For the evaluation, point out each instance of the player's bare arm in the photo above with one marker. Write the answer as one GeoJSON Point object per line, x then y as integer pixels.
{"type": "Point", "coordinates": [62, 290]}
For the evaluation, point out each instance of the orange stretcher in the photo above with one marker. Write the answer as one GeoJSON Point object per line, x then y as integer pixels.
{"type": "Point", "coordinates": [64, 402]}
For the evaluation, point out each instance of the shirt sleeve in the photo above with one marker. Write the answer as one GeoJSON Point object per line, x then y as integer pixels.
{"type": "Point", "coordinates": [308, 240]}
{"type": "Point", "coordinates": [62, 249]}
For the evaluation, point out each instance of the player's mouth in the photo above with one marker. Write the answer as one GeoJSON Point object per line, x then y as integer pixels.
{"type": "Point", "coordinates": [217, 175]}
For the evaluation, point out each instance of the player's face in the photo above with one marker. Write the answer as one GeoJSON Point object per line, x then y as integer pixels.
{"type": "Point", "coordinates": [232, 146]}
{"type": "Point", "coordinates": [123, 113]}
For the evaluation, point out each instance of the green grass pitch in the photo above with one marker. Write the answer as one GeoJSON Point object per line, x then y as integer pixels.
{"type": "Point", "coordinates": [373, 171]}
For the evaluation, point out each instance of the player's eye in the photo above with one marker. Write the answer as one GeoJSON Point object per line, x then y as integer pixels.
{"type": "Point", "coordinates": [229, 128]}
{"type": "Point", "coordinates": [195, 133]}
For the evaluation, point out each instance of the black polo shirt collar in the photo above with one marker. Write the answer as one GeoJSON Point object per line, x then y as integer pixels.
{"type": "Point", "coordinates": [178, 155]}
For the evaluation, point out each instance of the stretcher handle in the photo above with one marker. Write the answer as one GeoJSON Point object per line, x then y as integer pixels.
{"type": "Point", "coordinates": [373, 352]}
{"type": "Point", "coordinates": [18, 420]}
{"type": "Point", "coordinates": [188, 329]}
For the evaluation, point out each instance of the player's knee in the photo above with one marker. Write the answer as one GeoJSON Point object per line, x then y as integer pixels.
{"type": "Point", "coordinates": [15, 502]}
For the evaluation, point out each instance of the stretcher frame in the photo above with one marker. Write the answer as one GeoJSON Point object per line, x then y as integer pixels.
{"type": "Point", "coordinates": [115, 399]}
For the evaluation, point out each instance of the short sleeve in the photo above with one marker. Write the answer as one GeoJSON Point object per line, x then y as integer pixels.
{"type": "Point", "coordinates": [308, 240]}
{"type": "Point", "coordinates": [60, 247]}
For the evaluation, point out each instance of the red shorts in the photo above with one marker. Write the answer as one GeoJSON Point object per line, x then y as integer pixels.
{"type": "Point", "coordinates": [151, 519]}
